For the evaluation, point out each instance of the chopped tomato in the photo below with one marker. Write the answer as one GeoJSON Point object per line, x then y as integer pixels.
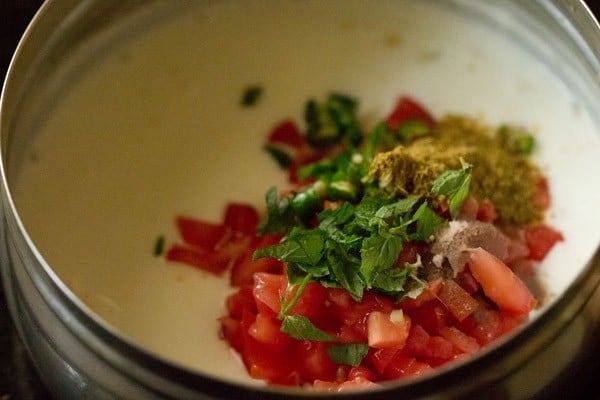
{"type": "Point", "coordinates": [542, 194]}
{"type": "Point", "coordinates": [381, 358]}
{"type": "Point", "coordinates": [198, 257]}
{"type": "Point", "coordinates": [405, 365]}
{"type": "Point", "coordinates": [241, 218]}
{"type": "Point", "coordinates": [486, 211]}
{"type": "Point", "coordinates": [200, 233]}
{"type": "Point", "coordinates": [260, 359]}
{"type": "Point", "coordinates": [287, 133]}
{"type": "Point", "coordinates": [267, 329]}
{"type": "Point", "coordinates": [458, 301]}
{"type": "Point", "coordinates": [388, 330]}
{"type": "Point", "coordinates": [408, 109]}
{"type": "Point", "coordinates": [239, 301]}
{"type": "Point", "coordinates": [428, 294]}
{"type": "Point", "coordinates": [315, 362]}
{"type": "Point", "coordinates": [268, 290]}
{"type": "Point", "coordinates": [431, 315]}
{"type": "Point", "coordinates": [460, 340]}
{"type": "Point", "coordinates": [244, 267]}
{"type": "Point", "coordinates": [540, 240]}
{"type": "Point", "coordinates": [500, 283]}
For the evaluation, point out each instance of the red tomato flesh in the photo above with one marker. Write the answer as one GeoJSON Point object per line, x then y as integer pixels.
{"type": "Point", "coordinates": [500, 283]}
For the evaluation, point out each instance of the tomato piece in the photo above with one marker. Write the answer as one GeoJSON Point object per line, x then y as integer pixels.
{"type": "Point", "coordinates": [241, 300]}
{"type": "Point", "coordinates": [500, 283]}
{"type": "Point", "coordinates": [198, 257]}
{"type": "Point", "coordinates": [231, 332]}
{"type": "Point", "coordinates": [200, 233]}
{"type": "Point", "coordinates": [388, 330]}
{"type": "Point", "coordinates": [381, 358]}
{"type": "Point", "coordinates": [287, 133]}
{"type": "Point", "coordinates": [467, 282]}
{"type": "Point", "coordinates": [540, 240]}
{"type": "Point", "coordinates": [486, 211]}
{"type": "Point", "coordinates": [408, 109]}
{"type": "Point", "coordinates": [417, 340]}
{"type": "Point", "coordinates": [315, 362]}
{"type": "Point", "coordinates": [485, 324]}
{"type": "Point", "coordinates": [267, 329]}
{"type": "Point", "coordinates": [457, 300]}
{"type": "Point", "coordinates": [431, 315]}
{"type": "Point", "coordinates": [244, 267]}
{"type": "Point", "coordinates": [542, 194]}
{"type": "Point", "coordinates": [260, 359]}
{"type": "Point", "coordinates": [405, 365]}
{"type": "Point", "coordinates": [241, 218]}
{"type": "Point", "coordinates": [460, 340]}
{"type": "Point", "coordinates": [310, 302]}
{"type": "Point", "coordinates": [428, 294]}
{"type": "Point", "coordinates": [409, 254]}
{"type": "Point", "coordinates": [469, 208]}
{"type": "Point", "coordinates": [268, 290]}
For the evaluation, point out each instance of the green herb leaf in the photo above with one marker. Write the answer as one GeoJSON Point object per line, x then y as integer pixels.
{"type": "Point", "coordinates": [300, 327]}
{"type": "Point", "coordinates": [345, 270]}
{"type": "Point", "coordinates": [378, 252]}
{"type": "Point", "coordinates": [454, 184]}
{"type": "Point", "coordinates": [348, 354]}
{"type": "Point", "coordinates": [251, 95]}
{"type": "Point", "coordinates": [159, 246]}
{"type": "Point", "coordinates": [280, 215]}
{"type": "Point", "coordinates": [428, 222]}
{"type": "Point", "coordinates": [302, 246]}
{"type": "Point", "coordinates": [280, 156]}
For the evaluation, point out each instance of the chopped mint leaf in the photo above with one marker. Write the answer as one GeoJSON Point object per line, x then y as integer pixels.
{"type": "Point", "coordinates": [301, 246]}
{"type": "Point", "coordinates": [159, 246]}
{"type": "Point", "coordinates": [251, 95]}
{"type": "Point", "coordinates": [428, 222]}
{"type": "Point", "coordinates": [300, 327]}
{"type": "Point", "coordinates": [279, 216]}
{"type": "Point", "coordinates": [348, 354]}
{"type": "Point", "coordinates": [280, 156]}
{"type": "Point", "coordinates": [378, 252]}
{"type": "Point", "coordinates": [454, 184]}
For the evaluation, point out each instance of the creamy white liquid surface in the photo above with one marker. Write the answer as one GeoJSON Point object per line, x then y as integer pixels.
{"type": "Point", "coordinates": [155, 129]}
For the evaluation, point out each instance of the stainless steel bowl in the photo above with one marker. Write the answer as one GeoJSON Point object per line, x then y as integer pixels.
{"type": "Point", "coordinates": [81, 356]}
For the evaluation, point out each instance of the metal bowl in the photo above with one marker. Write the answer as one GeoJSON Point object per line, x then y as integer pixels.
{"type": "Point", "coordinates": [80, 355]}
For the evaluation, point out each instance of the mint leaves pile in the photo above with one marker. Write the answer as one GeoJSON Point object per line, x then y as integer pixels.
{"type": "Point", "coordinates": [344, 231]}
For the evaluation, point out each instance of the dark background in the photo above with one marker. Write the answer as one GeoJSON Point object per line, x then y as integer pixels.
{"type": "Point", "coordinates": [18, 378]}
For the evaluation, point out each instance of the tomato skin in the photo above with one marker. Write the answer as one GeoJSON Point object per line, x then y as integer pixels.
{"type": "Point", "coordinates": [198, 257]}
{"type": "Point", "coordinates": [241, 300]}
{"type": "Point", "coordinates": [462, 342]}
{"type": "Point", "coordinates": [287, 133]}
{"type": "Point", "coordinates": [244, 267]}
{"type": "Point", "coordinates": [500, 283]}
{"type": "Point", "coordinates": [315, 362]}
{"type": "Point", "coordinates": [268, 290]}
{"type": "Point", "coordinates": [381, 358]}
{"type": "Point", "coordinates": [404, 365]}
{"type": "Point", "coordinates": [542, 195]}
{"type": "Point", "coordinates": [408, 109]}
{"type": "Point", "coordinates": [540, 240]}
{"type": "Point", "coordinates": [260, 359]}
{"type": "Point", "coordinates": [486, 211]}
{"type": "Point", "coordinates": [457, 300]}
{"type": "Point", "coordinates": [241, 219]}
{"type": "Point", "coordinates": [267, 329]}
{"type": "Point", "coordinates": [200, 233]}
